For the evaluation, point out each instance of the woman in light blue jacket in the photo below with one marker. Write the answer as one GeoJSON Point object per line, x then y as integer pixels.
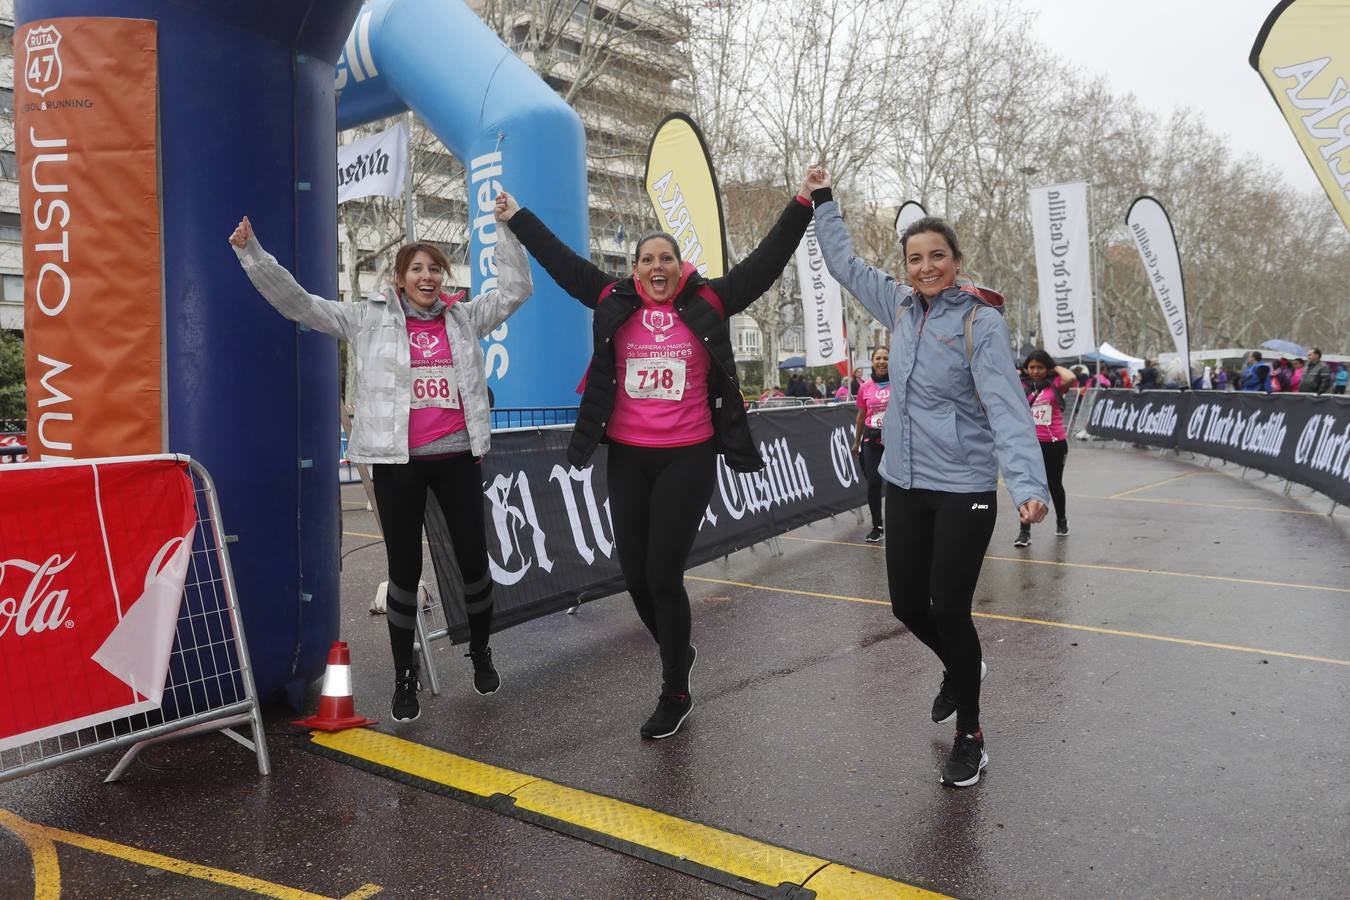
{"type": "Point", "coordinates": [421, 422]}
{"type": "Point", "coordinates": [956, 414]}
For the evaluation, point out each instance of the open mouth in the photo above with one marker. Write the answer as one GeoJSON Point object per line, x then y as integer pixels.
{"type": "Point", "coordinates": [659, 283]}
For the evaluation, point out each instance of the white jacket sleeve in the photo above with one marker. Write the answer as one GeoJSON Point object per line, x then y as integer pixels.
{"type": "Point", "coordinates": [514, 285]}
{"type": "Point", "coordinates": [287, 297]}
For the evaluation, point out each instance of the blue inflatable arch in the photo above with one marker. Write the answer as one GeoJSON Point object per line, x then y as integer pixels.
{"type": "Point", "coordinates": [247, 126]}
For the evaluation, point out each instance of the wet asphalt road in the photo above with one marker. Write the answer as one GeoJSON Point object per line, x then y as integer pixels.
{"type": "Point", "coordinates": [1166, 715]}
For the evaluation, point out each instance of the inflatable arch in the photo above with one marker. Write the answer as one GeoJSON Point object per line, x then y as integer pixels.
{"type": "Point", "coordinates": [247, 111]}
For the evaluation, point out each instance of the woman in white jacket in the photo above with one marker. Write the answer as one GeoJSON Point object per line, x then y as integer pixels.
{"type": "Point", "coordinates": [422, 419]}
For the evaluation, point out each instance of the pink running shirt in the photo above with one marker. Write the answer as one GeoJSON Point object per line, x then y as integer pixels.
{"type": "Point", "coordinates": [872, 399]}
{"type": "Point", "coordinates": [1045, 412]}
{"type": "Point", "coordinates": [436, 409]}
{"type": "Point", "coordinates": [662, 371]}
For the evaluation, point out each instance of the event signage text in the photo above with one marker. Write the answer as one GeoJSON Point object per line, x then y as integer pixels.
{"type": "Point", "coordinates": [822, 304]}
{"type": "Point", "coordinates": [1157, 244]}
{"type": "Point", "coordinates": [1303, 54]}
{"type": "Point", "coordinates": [86, 130]}
{"type": "Point", "coordinates": [93, 560]}
{"type": "Point", "coordinates": [551, 542]}
{"type": "Point", "coordinates": [1302, 437]}
{"type": "Point", "coordinates": [1059, 221]}
{"type": "Point", "coordinates": [374, 166]}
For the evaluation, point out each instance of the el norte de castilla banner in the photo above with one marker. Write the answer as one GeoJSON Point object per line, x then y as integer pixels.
{"type": "Point", "coordinates": [1303, 54]}
{"type": "Point", "coordinates": [1059, 222]}
{"type": "Point", "coordinates": [1157, 244]}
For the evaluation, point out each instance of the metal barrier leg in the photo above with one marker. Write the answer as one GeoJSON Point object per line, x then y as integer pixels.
{"type": "Point", "coordinates": [424, 647]}
{"type": "Point", "coordinates": [264, 765]}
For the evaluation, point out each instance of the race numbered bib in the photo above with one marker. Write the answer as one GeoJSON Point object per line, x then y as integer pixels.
{"type": "Point", "coordinates": [655, 378]}
{"type": "Point", "coordinates": [434, 387]}
{"type": "Point", "coordinates": [874, 420]}
{"type": "Point", "coordinates": [1042, 414]}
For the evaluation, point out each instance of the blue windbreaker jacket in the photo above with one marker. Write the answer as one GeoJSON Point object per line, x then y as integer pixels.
{"type": "Point", "coordinates": [939, 433]}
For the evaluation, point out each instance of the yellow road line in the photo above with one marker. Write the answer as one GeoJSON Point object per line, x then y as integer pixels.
{"type": "Point", "coordinates": [584, 814]}
{"type": "Point", "coordinates": [1143, 487]}
{"type": "Point", "coordinates": [46, 866]}
{"type": "Point", "coordinates": [165, 863]}
{"type": "Point", "coordinates": [1231, 579]}
{"type": "Point", "coordinates": [1068, 625]}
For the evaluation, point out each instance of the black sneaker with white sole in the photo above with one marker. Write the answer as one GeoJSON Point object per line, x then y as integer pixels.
{"type": "Point", "coordinates": [405, 707]}
{"type": "Point", "coordinates": [671, 711]}
{"type": "Point", "coordinates": [874, 536]}
{"type": "Point", "coordinates": [1023, 537]}
{"type": "Point", "coordinates": [944, 704]}
{"type": "Point", "coordinates": [967, 761]}
{"type": "Point", "coordinates": [485, 677]}
{"type": "Point", "coordinates": [1062, 527]}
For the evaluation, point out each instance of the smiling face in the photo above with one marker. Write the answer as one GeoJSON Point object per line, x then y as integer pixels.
{"type": "Point", "coordinates": [881, 363]}
{"type": "Point", "coordinates": [930, 263]}
{"type": "Point", "coordinates": [422, 280]}
{"type": "Point", "coordinates": [658, 268]}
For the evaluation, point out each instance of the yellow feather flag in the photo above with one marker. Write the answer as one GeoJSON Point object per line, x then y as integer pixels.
{"type": "Point", "coordinates": [1303, 54]}
{"type": "Point", "coordinates": [682, 187]}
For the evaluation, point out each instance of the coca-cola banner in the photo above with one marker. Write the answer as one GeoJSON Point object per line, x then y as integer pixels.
{"type": "Point", "coordinates": [93, 559]}
{"type": "Point", "coordinates": [550, 538]}
{"type": "Point", "coordinates": [1302, 437]}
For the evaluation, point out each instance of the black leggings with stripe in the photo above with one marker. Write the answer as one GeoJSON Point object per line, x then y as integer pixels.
{"type": "Point", "coordinates": [401, 494]}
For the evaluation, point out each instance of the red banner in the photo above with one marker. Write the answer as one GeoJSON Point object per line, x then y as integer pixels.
{"type": "Point", "coordinates": [93, 559]}
{"type": "Point", "coordinates": [85, 129]}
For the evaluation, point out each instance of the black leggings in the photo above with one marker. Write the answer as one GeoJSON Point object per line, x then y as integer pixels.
{"type": "Point", "coordinates": [871, 464]}
{"type": "Point", "coordinates": [401, 494]}
{"type": "Point", "coordinates": [1054, 453]}
{"type": "Point", "coordinates": [935, 545]}
{"type": "Point", "coordinates": [657, 497]}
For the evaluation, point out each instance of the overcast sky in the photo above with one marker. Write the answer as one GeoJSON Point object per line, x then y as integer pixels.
{"type": "Point", "coordinates": [1171, 53]}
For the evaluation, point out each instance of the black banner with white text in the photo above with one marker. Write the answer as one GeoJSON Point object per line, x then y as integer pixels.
{"type": "Point", "coordinates": [1302, 437]}
{"type": "Point", "coordinates": [550, 539]}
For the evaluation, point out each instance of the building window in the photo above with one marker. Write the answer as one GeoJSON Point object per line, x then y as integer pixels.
{"type": "Point", "coordinates": [9, 227]}
{"type": "Point", "coordinates": [14, 288]}
{"type": "Point", "coordinates": [7, 101]}
{"type": "Point", "coordinates": [9, 166]}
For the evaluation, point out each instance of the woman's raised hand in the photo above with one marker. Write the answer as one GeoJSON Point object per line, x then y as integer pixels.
{"type": "Point", "coordinates": [242, 233]}
{"type": "Point", "coordinates": [817, 177]}
{"type": "Point", "coordinates": [505, 208]}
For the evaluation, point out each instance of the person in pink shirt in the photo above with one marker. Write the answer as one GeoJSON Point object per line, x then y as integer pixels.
{"type": "Point", "coordinates": [872, 399]}
{"type": "Point", "coordinates": [1046, 386]}
{"type": "Point", "coordinates": [662, 391]}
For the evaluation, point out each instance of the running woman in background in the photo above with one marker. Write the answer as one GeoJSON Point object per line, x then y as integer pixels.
{"type": "Point", "coordinates": [1047, 383]}
{"type": "Point", "coordinates": [872, 399]}
{"type": "Point", "coordinates": [421, 422]}
{"type": "Point", "coordinates": [956, 415]}
{"type": "Point", "coordinates": [662, 390]}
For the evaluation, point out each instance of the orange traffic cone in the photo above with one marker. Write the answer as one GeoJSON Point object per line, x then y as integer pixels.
{"type": "Point", "coordinates": [336, 709]}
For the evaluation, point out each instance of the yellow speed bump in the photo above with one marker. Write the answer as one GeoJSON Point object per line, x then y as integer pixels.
{"type": "Point", "coordinates": [720, 856]}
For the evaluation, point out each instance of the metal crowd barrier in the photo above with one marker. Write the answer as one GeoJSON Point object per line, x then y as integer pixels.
{"type": "Point", "coordinates": [210, 681]}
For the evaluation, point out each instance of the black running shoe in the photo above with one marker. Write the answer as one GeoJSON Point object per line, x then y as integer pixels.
{"type": "Point", "coordinates": [1062, 527]}
{"type": "Point", "coordinates": [1023, 537]}
{"type": "Point", "coordinates": [671, 711]}
{"type": "Point", "coordinates": [944, 704]}
{"type": "Point", "coordinates": [485, 677]}
{"type": "Point", "coordinates": [874, 536]}
{"type": "Point", "coordinates": [405, 707]}
{"type": "Point", "coordinates": [967, 761]}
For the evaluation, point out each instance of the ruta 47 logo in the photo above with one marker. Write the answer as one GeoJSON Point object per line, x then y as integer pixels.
{"type": "Point", "coordinates": [42, 68]}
